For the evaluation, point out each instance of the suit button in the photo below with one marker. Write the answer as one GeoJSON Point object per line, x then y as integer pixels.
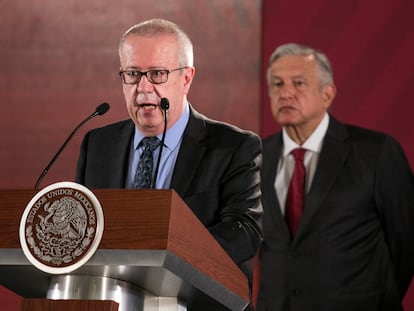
{"type": "Point", "coordinates": [295, 292]}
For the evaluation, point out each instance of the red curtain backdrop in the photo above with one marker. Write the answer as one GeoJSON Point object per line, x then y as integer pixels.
{"type": "Point", "coordinates": [370, 44]}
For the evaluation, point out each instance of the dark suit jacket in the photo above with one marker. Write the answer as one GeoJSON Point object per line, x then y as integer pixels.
{"type": "Point", "coordinates": [217, 173]}
{"type": "Point", "coordinates": [354, 248]}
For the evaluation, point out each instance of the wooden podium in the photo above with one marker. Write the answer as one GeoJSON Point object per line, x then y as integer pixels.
{"type": "Point", "coordinates": [152, 242]}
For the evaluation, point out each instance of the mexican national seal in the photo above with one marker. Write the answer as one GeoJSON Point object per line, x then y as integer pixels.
{"type": "Point", "coordinates": [61, 227]}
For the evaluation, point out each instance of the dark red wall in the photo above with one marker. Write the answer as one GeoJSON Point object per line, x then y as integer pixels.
{"type": "Point", "coordinates": [370, 44]}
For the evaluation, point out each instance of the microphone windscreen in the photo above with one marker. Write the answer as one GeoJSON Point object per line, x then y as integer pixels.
{"type": "Point", "coordinates": [165, 103]}
{"type": "Point", "coordinates": [102, 108]}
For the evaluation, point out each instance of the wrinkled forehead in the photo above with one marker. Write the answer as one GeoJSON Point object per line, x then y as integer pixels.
{"type": "Point", "coordinates": [293, 65]}
{"type": "Point", "coordinates": [147, 52]}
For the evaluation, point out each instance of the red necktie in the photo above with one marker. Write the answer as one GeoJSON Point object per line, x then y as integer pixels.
{"type": "Point", "coordinates": [295, 196]}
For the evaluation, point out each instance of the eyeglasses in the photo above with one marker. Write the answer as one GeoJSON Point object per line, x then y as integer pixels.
{"type": "Point", "coordinates": [155, 76]}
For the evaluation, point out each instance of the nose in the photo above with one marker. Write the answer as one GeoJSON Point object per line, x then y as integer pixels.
{"type": "Point", "coordinates": [287, 90]}
{"type": "Point", "coordinates": [144, 86]}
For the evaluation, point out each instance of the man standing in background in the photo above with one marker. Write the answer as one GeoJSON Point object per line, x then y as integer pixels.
{"type": "Point", "coordinates": [338, 200]}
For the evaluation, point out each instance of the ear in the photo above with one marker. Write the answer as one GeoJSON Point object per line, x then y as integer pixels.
{"type": "Point", "coordinates": [328, 94]}
{"type": "Point", "coordinates": [188, 78]}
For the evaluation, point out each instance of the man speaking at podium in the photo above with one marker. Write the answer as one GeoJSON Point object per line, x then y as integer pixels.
{"type": "Point", "coordinates": [213, 166]}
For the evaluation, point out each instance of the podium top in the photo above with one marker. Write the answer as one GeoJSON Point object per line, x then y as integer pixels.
{"type": "Point", "coordinates": [151, 239]}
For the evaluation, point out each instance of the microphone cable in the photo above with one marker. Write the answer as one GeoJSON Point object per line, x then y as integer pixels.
{"type": "Point", "coordinates": [165, 105]}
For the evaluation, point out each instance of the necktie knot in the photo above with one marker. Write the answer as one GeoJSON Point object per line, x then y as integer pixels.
{"type": "Point", "coordinates": [298, 154]}
{"type": "Point", "coordinates": [150, 143]}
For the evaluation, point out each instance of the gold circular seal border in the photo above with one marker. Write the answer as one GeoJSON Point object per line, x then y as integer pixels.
{"type": "Point", "coordinates": [95, 243]}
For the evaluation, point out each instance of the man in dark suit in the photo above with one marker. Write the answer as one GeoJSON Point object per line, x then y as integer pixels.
{"type": "Point", "coordinates": [213, 166]}
{"type": "Point", "coordinates": [353, 248]}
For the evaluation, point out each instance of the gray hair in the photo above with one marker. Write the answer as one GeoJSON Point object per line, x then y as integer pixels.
{"type": "Point", "coordinates": [298, 49]}
{"type": "Point", "coordinates": [155, 27]}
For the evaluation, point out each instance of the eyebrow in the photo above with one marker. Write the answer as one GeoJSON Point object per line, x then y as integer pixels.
{"type": "Point", "coordinates": [300, 76]}
{"type": "Point", "coordinates": [150, 68]}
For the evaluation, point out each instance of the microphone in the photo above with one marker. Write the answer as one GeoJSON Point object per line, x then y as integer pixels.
{"type": "Point", "coordinates": [100, 110]}
{"type": "Point", "coordinates": [165, 105]}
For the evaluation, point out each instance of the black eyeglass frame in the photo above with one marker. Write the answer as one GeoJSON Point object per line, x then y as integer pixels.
{"type": "Point", "coordinates": [139, 74]}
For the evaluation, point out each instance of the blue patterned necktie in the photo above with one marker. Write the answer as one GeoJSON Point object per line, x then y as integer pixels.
{"type": "Point", "coordinates": [143, 176]}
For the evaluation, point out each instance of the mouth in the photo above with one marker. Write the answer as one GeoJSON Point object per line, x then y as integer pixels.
{"type": "Point", "coordinates": [286, 108]}
{"type": "Point", "coordinates": [148, 106]}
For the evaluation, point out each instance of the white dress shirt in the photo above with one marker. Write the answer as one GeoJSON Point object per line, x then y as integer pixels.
{"type": "Point", "coordinates": [286, 165]}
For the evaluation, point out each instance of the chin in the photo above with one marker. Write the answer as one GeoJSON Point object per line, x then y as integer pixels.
{"type": "Point", "coordinates": [288, 118]}
{"type": "Point", "coordinates": [151, 129]}
{"type": "Point", "coordinates": [286, 121]}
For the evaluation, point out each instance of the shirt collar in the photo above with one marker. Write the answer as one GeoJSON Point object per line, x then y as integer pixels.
{"type": "Point", "coordinates": [313, 143]}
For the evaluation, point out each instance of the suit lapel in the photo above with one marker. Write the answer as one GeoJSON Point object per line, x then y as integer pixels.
{"type": "Point", "coordinates": [120, 153]}
{"type": "Point", "coordinates": [331, 159]}
{"type": "Point", "coordinates": [192, 149]}
{"type": "Point", "coordinates": [271, 156]}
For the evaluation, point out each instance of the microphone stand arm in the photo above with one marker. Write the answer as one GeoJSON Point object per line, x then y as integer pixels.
{"type": "Point", "coordinates": [101, 109]}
